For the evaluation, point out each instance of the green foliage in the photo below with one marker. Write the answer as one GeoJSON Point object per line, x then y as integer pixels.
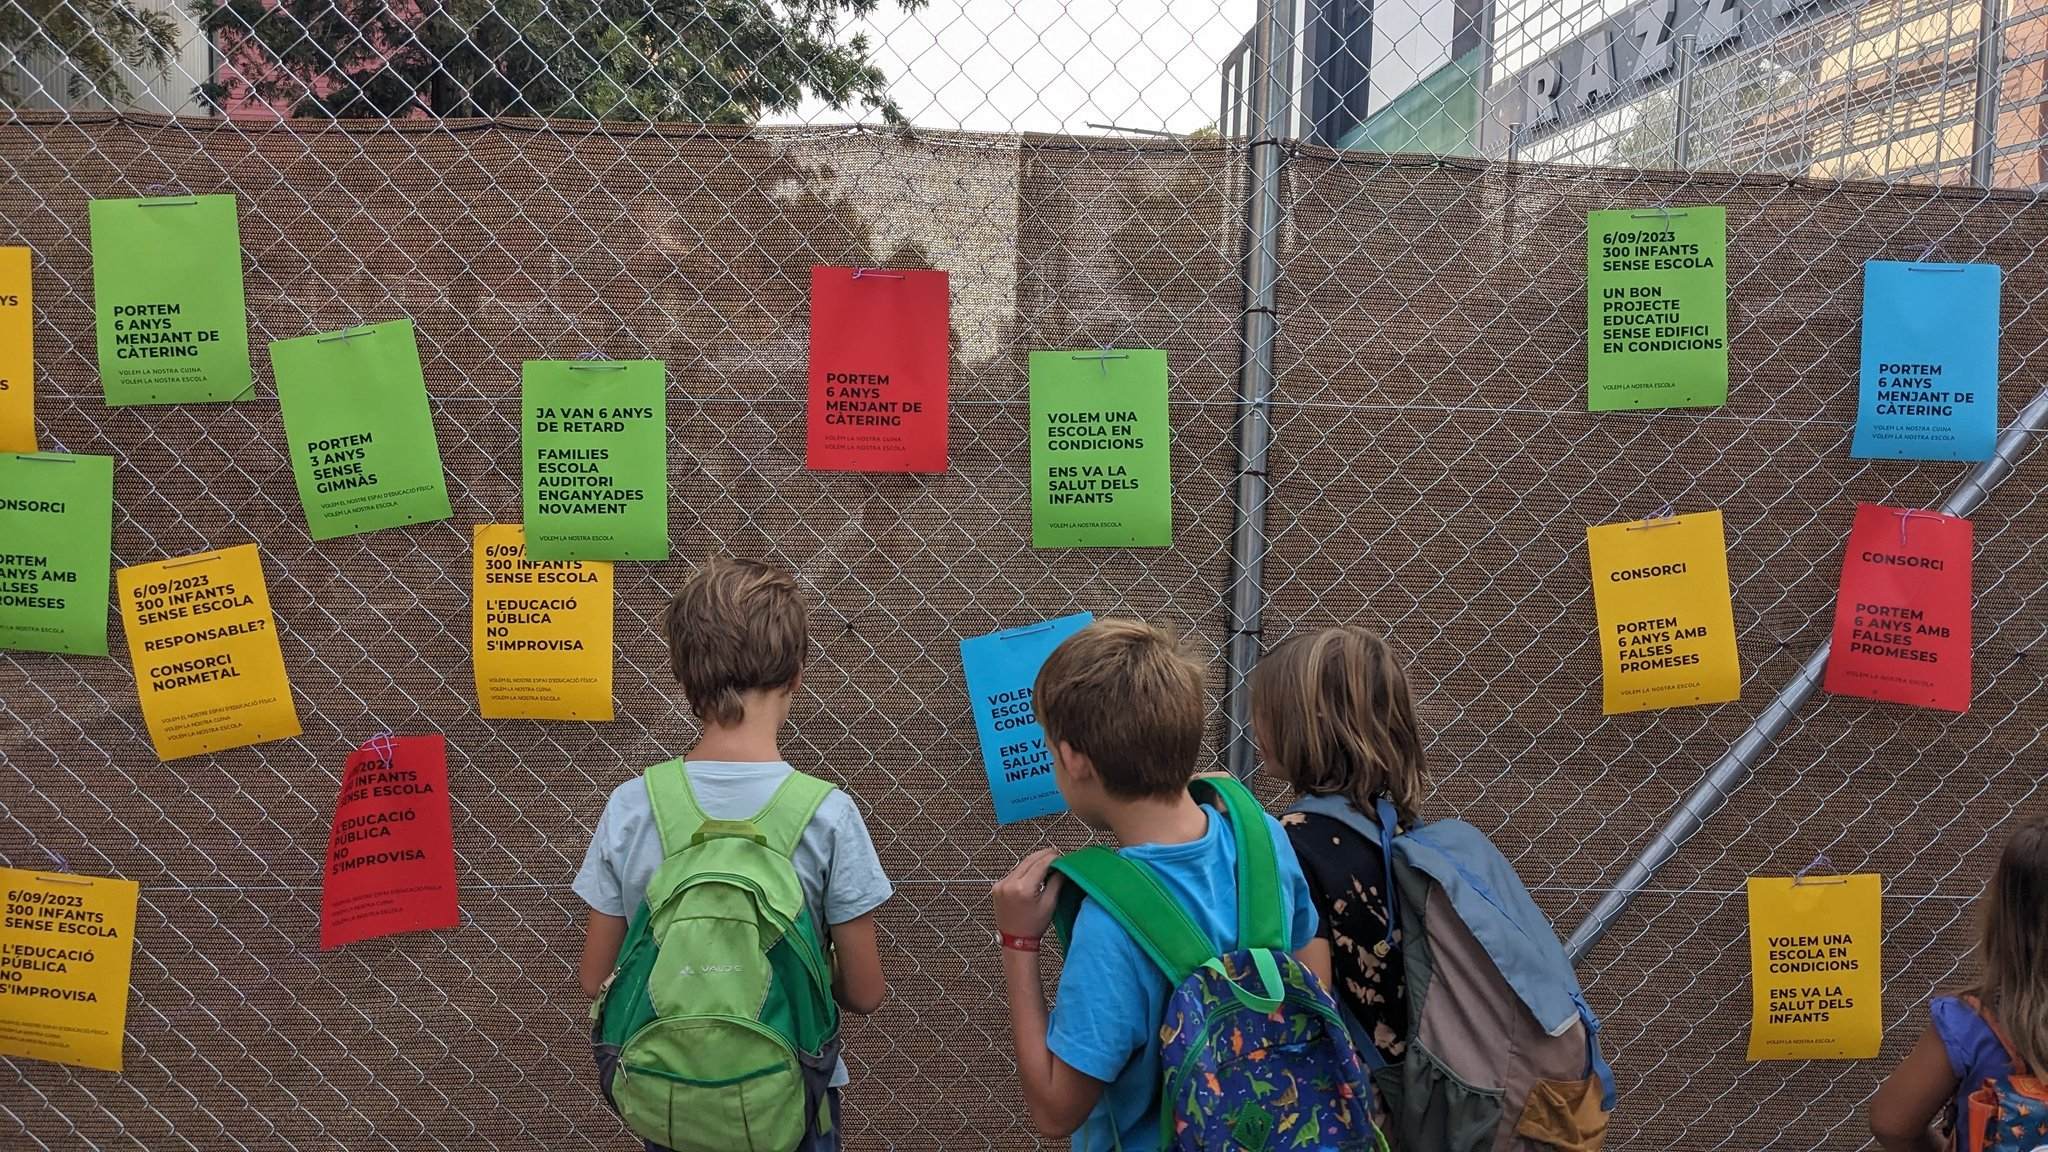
{"type": "Point", "coordinates": [96, 37]}
{"type": "Point", "coordinates": [710, 61]}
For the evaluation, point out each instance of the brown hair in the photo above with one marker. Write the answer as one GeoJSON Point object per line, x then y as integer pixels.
{"type": "Point", "coordinates": [2012, 952]}
{"type": "Point", "coordinates": [1124, 695]}
{"type": "Point", "coordinates": [735, 625]}
{"type": "Point", "coordinates": [1331, 710]}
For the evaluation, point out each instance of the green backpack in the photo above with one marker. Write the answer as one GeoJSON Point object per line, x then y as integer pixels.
{"type": "Point", "coordinates": [717, 1032]}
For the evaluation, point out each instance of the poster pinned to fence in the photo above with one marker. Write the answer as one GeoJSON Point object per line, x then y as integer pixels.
{"type": "Point", "coordinates": [1815, 949]}
{"type": "Point", "coordinates": [1667, 624]}
{"type": "Point", "coordinates": [56, 537]}
{"type": "Point", "coordinates": [1101, 449]}
{"type": "Point", "coordinates": [208, 669]}
{"type": "Point", "coordinates": [595, 444]}
{"type": "Point", "coordinates": [167, 300]}
{"type": "Point", "coordinates": [1929, 381]}
{"type": "Point", "coordinates": [1657, 308]}
{"type": "Point", "coordinates": [391, 849]}
{"type": "Point", "coordinates": [879, 351]}
{"type": "Point", "coordinates": [1000, 669]}
{"type": "Point", "coordinates": [17, 352]}
{"type": "Point", "coordinates": [541, 631]}
{"type": "Point", "coordinates": [1902, 618]}
{"type": "Point", "coordinates": [361, 437]}
{"type": "Point", "coordinates": [66, 945]}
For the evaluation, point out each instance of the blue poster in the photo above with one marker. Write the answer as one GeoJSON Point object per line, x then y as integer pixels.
{"type": "Point", "coordinates": [1000, 669]}
{"type": "Point", "coordinates": [1930, 362]}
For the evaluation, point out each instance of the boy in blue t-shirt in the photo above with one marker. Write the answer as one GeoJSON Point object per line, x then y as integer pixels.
{"type": "Point", "coordinates": [1121, 706]}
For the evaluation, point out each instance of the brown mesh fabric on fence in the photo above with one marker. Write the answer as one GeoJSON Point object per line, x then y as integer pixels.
{"type": "Point", "coordinates": [1434, 471]}
{"type": "Point", "coordinates": [511, 244]}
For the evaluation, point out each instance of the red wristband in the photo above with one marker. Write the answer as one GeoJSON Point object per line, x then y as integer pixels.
{"type": "Point", "coordinates": [1019, 943]}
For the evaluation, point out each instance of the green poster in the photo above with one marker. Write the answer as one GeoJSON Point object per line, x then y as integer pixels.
{"type": "Point", "coordinates": [56, 540]}
{"type": "Point", "coordinates": [1657, 308]}
{"type": "Point", "coordinates": [1101, 450]}
{"type": "Point", "coordinates": [167, 299]}
{"type": "Point", "coordinates": [595, 436]}
{"type": "Point", "coordinates": [359, 434]}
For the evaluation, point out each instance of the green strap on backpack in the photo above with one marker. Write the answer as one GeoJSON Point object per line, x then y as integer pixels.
{"type": "Point", "coordinates": [720, 1011]}
{"type": "Point", "coordinates": [779, 825]}
{"type": "Point", "coordinates": [1131, 892]}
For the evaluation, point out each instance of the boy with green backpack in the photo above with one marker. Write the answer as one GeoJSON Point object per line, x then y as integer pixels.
{"type": "Point", "coordinates": [1192, 1012]}
{"type": "Point", "coordinates": [731, 899]}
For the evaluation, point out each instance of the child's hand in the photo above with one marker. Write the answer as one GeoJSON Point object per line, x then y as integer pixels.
{"type": "Point", "coordinates": [1025, 899]}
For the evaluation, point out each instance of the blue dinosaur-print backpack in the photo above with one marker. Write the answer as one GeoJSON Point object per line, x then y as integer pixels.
{"type": "Point", "coordinates": [1255, 1053]}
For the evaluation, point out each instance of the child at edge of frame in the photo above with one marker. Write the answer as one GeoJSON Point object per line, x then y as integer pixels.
{"type": "Point", "coordinates": [731, 823]}
{"type": "Point", "coordinates": [1980, 1070]}
{"type": "Point", "coordinates": [1122, 710]}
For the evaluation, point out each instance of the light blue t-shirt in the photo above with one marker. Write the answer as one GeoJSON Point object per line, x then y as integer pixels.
{"type": "Point", "coordinates": [835, 859]}
{"type": "Point", "coordinates": [1105, 1023]}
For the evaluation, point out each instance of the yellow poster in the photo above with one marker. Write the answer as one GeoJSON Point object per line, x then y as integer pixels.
{"type": "Point", "coordinates": [541, 631]}
{"type": "Point", "coordinates": [204, 646]}
{"type": "Point", "coordinates": [17, 353]}
{"type": "Point", "coordinates": [1814, 948]}
{"type": "Point", "coordinates": [1667, 628]}
{"type": "Point", "coordinates": [65, 945]}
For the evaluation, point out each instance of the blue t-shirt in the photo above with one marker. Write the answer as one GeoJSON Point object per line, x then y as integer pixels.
{"type": "Point", "coordinates": [1105, 1023]}
{"type": "Point", "coordinates": [1974, 1053]}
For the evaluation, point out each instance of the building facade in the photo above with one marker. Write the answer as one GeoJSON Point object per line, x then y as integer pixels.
{"type": "Point", "coordinates": [1843, 89]}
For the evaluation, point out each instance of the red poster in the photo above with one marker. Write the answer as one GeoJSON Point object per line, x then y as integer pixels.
{"type": "Point", "coordinates": [1902, 624]}
{"type": "Point", "coordinates": [391, 855]}
{"type": "Point", "coordinates": [879, 345]}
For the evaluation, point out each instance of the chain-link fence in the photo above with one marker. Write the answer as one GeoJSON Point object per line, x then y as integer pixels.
{"type": "Point", "coordinates": [1377, 362]}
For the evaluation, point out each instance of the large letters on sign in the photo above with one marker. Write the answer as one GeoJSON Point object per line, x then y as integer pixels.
{"type": "Point", "coordinates": [390, 853]}
{"type": "Point", "coordinates": [879, 347]}
{"type": "Point", "coordinates": [1667, 626]}
{"type": "Point", "coordinates": [1929, 380]}
{"type": "Point", "coordinates": [167, 299]}
{"type": "Point", "coordinates": [541, 631]}
{"type": "Point", "coordinates": [1815, 945]}
{"type": "Point", "coordinates": [1657, 308]}
{"type": "Point", "coordinates": [1000, 668]}
{"type": "Point", "coordinates": [1101, 461]}
{"type": "Point", "coordinates": [69, 941]}
{"type": "Point", "coordinates": [56, 532]}
{"type": "Point", "coordinates": [595, 442]}
{"type": "Point", "coordinates": [204, 644]}
{"type": "Point", "coordinates": [1902, 622]}
{"type": "Point", "coordinates": [361, 437]}
{"type": "Point", "coordinates": [17, 353]}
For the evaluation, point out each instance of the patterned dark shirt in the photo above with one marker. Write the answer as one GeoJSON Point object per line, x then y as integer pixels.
{"type": "Point", "coordinates": [1345, 876]}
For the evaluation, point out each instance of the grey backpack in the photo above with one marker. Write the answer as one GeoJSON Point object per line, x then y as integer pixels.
{"type": "Point", "coordinates": [1503, 1053]}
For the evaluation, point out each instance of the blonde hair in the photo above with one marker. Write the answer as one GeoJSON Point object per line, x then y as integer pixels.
{"type": "Point", "coordinates": [1126, 696]}
{"type": "Point", "coordinates": [1332, 713]}
{"type": "Point", "coordinates": [2012, 950]}
{"type": "Point", "coordinates": [735, 626]}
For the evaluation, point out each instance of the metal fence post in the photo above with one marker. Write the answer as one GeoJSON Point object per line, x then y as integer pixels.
{"type": "Point", "coordinates": [1272, 112]}
{"type": "Point", "coordinates": [1753, 745]}
{"type": "Point", "coordinates": [1990, 58]}
{"type": "Point", "coordinates": [1681, 147]}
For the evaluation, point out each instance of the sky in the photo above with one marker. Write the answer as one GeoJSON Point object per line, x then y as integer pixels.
{"type": "Point", "coordinates": [1052, 65]}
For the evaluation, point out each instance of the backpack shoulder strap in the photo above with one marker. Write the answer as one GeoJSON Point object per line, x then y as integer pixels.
{"type": "Point", "coordinates": [1343, 812]}
{"type": "Point", "coordinates": [1133, 896]}
{"type": "Point", "coordinates": [2012, 1054]}
{"type": "Point", "coordinates": [781, 822]}
{"type": "Point", "coordinates": [1259, 924]}
{"type": "Point", "coordinates": [676, 814]}
{"type": "Point", "coordinates": [1381, 833]}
